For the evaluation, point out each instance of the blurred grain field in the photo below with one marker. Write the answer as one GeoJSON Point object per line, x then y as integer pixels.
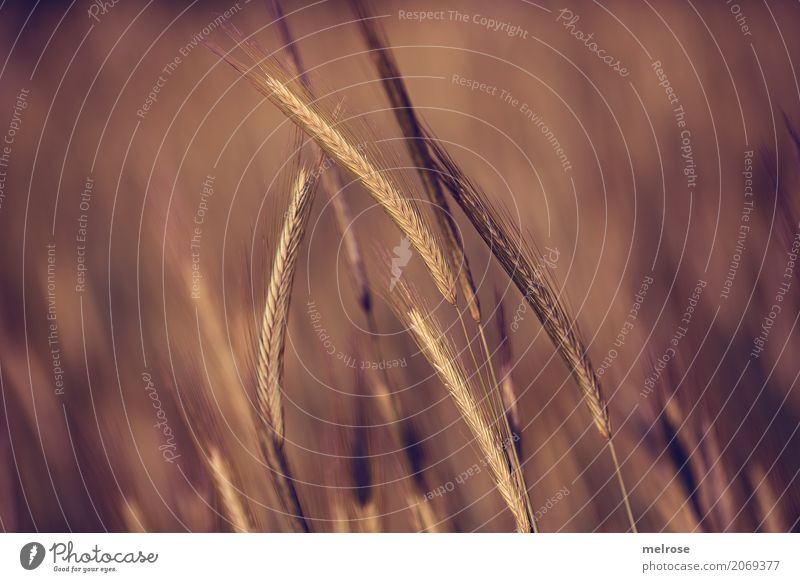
{"type": "Point", "coordinates": [144, 183]}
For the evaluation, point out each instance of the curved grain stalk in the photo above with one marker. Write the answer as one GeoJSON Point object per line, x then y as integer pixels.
{"type": "Point", "coordinates": [539, 291]}
{"type": "Point", "coordinates": [272, 341]}
{"type": "Point", "coordinates": [508, 395]}
{"type": "Point", "coordinates": [391, 410]}
{"type": "Point", "coordinates": [491, 440]}
{"type": "Point", "coordinates": [269, 79]}
{"type": "Point", "coordinates": [330, 182]}
{"type": "Point", "coordinates": [406, 117]}
{"type": "Point", "coordinates": [232, 506]}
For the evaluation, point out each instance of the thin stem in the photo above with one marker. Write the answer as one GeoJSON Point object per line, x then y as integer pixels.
{"type": "Point", "coordinates": [498, 415]}
{"type": "Point", "coordinates": [618, 471]}
{"type": "Point", "coordinates": [485, 385]}
{"type": "Point", "coordinates": [502, 414]}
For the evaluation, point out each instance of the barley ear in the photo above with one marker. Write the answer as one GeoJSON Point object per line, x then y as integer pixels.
{"type": "Point", "coordinates": [272, 340]}
{"type": "Point", "coordinates": [403, 109]}
{"type": "Point", "coordinates": [485, 430]}
{"type": "Point", "coordinates": [269, 79]}
{"type": "Point", "coordinates": [232, 506]}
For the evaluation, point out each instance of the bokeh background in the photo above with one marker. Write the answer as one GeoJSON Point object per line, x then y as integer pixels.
{"type": "Point", "coordinates": [126, 356]}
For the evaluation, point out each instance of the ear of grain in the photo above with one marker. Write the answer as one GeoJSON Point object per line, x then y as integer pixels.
{"type": "Point", "coordinates": [368, 520]}
{"type": "Point", "coordinates": [330, 182]}
{"type": "Point", "coordinates": [273, 327]}
{"type": "Point", "coordinates": [272, 341]}
{"type": "Point", "coordinates": [507, 392]}
{"type": "Point", "coordinates": [424, 518]}
{"type": "Point", "coordinates": [768, 503]}
{"type": "Point", "coordinates": [340, 520]}
{"type": "Point", "coordinates": [355, 258]}
{"type": "Point", "coordinates": [390, 410]}
{"type": "Point", "coordinates": [406, 117]}
{"type": "Point", "coordinates": [268, 78]}
{"type": "Point", "coordinates": [540, 293]}
{"type": "Point", "coordinates": [361, 444]}
{"type": "Point", "coordinates": [488, 437]}
{"type": "Point", "coordinates": [132, 517]}
{"type": "Point", "coordinates": [537, 289]}
{"type": "Point", "coordinates": [232, 506]}
{"type": "Point", "coordinates": [336, 145]}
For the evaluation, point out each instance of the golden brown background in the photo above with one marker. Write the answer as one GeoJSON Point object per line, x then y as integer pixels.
{"type": "Point", "coordinates": [712, 448]}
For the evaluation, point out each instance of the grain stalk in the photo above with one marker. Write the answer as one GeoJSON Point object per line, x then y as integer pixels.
{"type": "Point", "coordinates": [489, 438]}
{"type": "Point", "coordinates": [232, 507]}
{"type": "Point", "coordinates": [395, 89]}
{"type": "Point", "coordinates": [391, 411]}
{"type": "Point", "coordinates": [424, 518]}
{"type": "Point", "coordinates": [537, 289]}
{"type": "Point", "coordinates": [269, 79]}
{"type": "Point", "coordinates": [132, 517]}
{"type": "Point", "coordinates": [506, 386]}
{"type": "Point", "coordinates": [330, 182]}
{"type": "Point", "coordinates": [403, 109]}
{"type": "Point", "coordinates": [272, 342]}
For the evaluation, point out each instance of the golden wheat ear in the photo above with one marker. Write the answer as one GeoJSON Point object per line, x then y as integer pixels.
{"type": "Point", "coordinates": [488, 432]}
{"type": "Point", "coordinates": [132, 517]}
{"type": "Point", "coordinates": [403, 109]}
{"type": "Point", "coordinates": [490, 439]}
{"type": "Point", "coordinates": [272, 340]}
{"type": "Point", "coordinates": [507, 245]}
{"type": "Point", "coordinates": [230, 499]}
{"type": "Point", "coordinates": [330, 182]}
{"type": "Point", "coordinates": [273, 324]}
{"type": "Point", "coordinates": [269, 78]}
